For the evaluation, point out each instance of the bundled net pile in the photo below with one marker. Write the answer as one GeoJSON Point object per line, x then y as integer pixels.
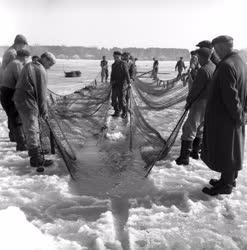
{"type": "Point", "coordinates": [83, 114]}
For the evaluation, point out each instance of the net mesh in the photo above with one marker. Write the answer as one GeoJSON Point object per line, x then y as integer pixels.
{"type": "Point", "coordinates": [81, 115]}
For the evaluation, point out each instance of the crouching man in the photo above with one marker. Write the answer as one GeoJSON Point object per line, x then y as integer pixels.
{"type": "Point", "coordinates": [30, 101]}
{"type": "Point", "coordinates": [196, 101]}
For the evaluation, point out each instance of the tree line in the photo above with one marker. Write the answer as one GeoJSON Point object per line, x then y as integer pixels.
{"type": "Point", "coordinates": [80, 52]}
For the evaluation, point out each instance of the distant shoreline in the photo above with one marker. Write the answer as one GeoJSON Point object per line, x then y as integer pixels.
{"type": "Point", "coordinates": [94, 53]}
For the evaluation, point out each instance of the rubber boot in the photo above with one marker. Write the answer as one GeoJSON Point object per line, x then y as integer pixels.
{"type": "Point", "coordinates": [116, 114]}
{"type": "Point", "coordinates": [37, 160]}
{"type": "Point", "coordinates": [124, 113]}
{"type": "Point", "coordinates": [196, 146]}
{"type": "Point", "coordinates": [183, 159]}
{"type": "Point", "coordinates": [20, 139]}
{"type": "Point", "coordinates": [219, 189]}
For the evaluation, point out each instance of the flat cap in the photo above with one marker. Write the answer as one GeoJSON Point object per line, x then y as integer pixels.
{"type": "Point", "coordinates": [49, 56]}
{"type": "Point", "coordinates": [222, 39]}
{"type": "Point", "coordinates": [117, 53]}
{"type": "Point", "coordinates": [204, 52]}
{"type": "Point", "coordinates": [205, 44]}
{"type": "Point", "coordinates": [125, 53]}
{"type": "Point", "coordinates": [20, 39]}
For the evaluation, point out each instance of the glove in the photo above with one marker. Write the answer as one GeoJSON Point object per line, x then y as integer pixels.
{"type": "Point", "coordinates": [187, 106]}
{"type": "Point", "coordinates": [45, 116]}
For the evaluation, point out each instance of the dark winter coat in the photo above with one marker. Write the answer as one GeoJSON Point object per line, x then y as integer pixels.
{"type": "Point", "coordinates": [224, 130]}
{"type": "Point", "coordinates": [120, 74]}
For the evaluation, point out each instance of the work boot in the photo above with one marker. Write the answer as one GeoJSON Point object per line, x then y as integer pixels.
{"type": "Point", "coordinates": [11, 136]}
{"type": "Point", "coordinates": [196, 148]}
{"type": "Point", "coordinates": [116, 114]}
{"type": "Point", "coordinates": [183, 159]}
{"type": "Point", "coordinates": [37, 159]}
{"type": "Point", "coordinates": [215, 182]}
{"type": "Point", "coordinates": [21, 147]}
{"type": "Point", "coordinates": [219, 189]}
{"type": "Point", "coordinates": [124, 113]}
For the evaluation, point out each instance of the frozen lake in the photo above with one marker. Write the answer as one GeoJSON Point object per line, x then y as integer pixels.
{"type": "Point", "coordinates": [166, 211]}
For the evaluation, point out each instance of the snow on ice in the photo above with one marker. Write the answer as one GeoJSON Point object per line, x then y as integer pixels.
{"type": "Point", "coordinates": [166, 211]}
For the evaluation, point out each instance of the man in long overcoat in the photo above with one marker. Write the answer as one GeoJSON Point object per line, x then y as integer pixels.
{"type": "Point", "coordinates": [224, 125]}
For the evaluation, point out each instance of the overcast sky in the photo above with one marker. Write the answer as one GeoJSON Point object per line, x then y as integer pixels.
{"type": "Point", "coordinates": [123, 23]}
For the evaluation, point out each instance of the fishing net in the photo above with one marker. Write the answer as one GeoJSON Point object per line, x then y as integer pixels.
{"type": "Point", "coordinates": [79, 116]}
{"type": "Point", "coordinates": [169, 97]}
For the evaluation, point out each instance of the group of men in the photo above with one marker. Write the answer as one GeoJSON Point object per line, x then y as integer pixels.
{"type": "Point", "coordinates": [122, 74]}
{"type": "Point", "coordinates": [23, 86]}
{"type": "Point", "coordinates": [217, 104]}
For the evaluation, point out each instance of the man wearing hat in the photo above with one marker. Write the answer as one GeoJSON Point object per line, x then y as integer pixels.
{"type": "Point", "coordinates": [196, 101]}
{"type": "Point", "coordinates": [104, 69]}
{"type": "Point", "coordinates": [180, 66]}
{"type": "Point", "coordinates": [155, 69]}
{"type": "Point", "coordinates": [120, 82]}
{"type": "Point", "coordinates": [224, 125]}
{"type": "Point", "coordinates": [30, 101]}
{"type": "Point", "coordinates": [10, 77]}
{"type": "Point", "coordinates": [10, 54]}
{"type": "Point", "coordinates": [207, 44]}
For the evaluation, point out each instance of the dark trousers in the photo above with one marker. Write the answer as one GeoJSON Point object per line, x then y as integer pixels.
{"type": "Point", "coordinates": [229, 176]}
{"type": "Point", "coordinates": [14, 123]}
{"type": "Point", "coordinates": [119, 98]}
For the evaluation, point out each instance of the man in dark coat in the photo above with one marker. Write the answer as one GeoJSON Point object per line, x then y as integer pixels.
{"type": "Point", "coordinates": [224, 126]}
{"type": "Point", "coordinates": [180, 66]}
{"type": "Point", "coordinates": [196, 102]}
{"type": "Point", "coordinates": [10, 78]}
{"type": "Point", "coordinates": [155, 69]}
{"type": "Point", "coordinates": [120, 82]}
{"type": "Point", "coordinates": [104, 69]}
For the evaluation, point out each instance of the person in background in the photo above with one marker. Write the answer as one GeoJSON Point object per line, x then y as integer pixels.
{"type": "Point", "coordinates": [30, 99]}
{"type": "Point", "coordinates": [207, 44]}
{"type": "Point", "coordinates": [104, 69]}
{"type": "Point", "coordinates": [10, 77]}
{"type": "Point", "coordinates": [224, 124]}
{"type": "Point", "coordinates": [120, 82]}
{"type": "Point", "coordinates": [180, 66]}
{"type": "Point", "coordinates": [155, 70]}
{"type": "Point", "coordinates": [196, 101]}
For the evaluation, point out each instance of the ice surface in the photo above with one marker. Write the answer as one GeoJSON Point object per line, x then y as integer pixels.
{"type": "Point", "coordinates": [113, 206]}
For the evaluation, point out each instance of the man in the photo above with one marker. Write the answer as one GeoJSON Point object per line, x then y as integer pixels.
{"type": "Point", "coordinates": [10, 54]}
{"type": "Point", "coordinates": [180, 66]}
{"type": "Point", "coordinates": [130, 64]}
{"type": "Point", "coordinates": [120, 82]}
{"type": "Point", "coordinates": [155, 69]}
{"type": "Point", "coordinates": [104, 69]}
{"type": "Point", "coordinates": [196, 102]}
{"type": "Point", "coordinates": [10, 77]}
{"type": "Point", "coordinates": [31, 103]}
{"type": "Point", "coordinates": [207, 44]}
{"type": "Point", "coordinates": [224, 127]}
{"type": "Point", "coordinates": [193, 68]}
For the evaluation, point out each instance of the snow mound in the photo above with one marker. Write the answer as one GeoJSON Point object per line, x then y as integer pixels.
{"type": "Point", "coordinates": [19, 234]}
